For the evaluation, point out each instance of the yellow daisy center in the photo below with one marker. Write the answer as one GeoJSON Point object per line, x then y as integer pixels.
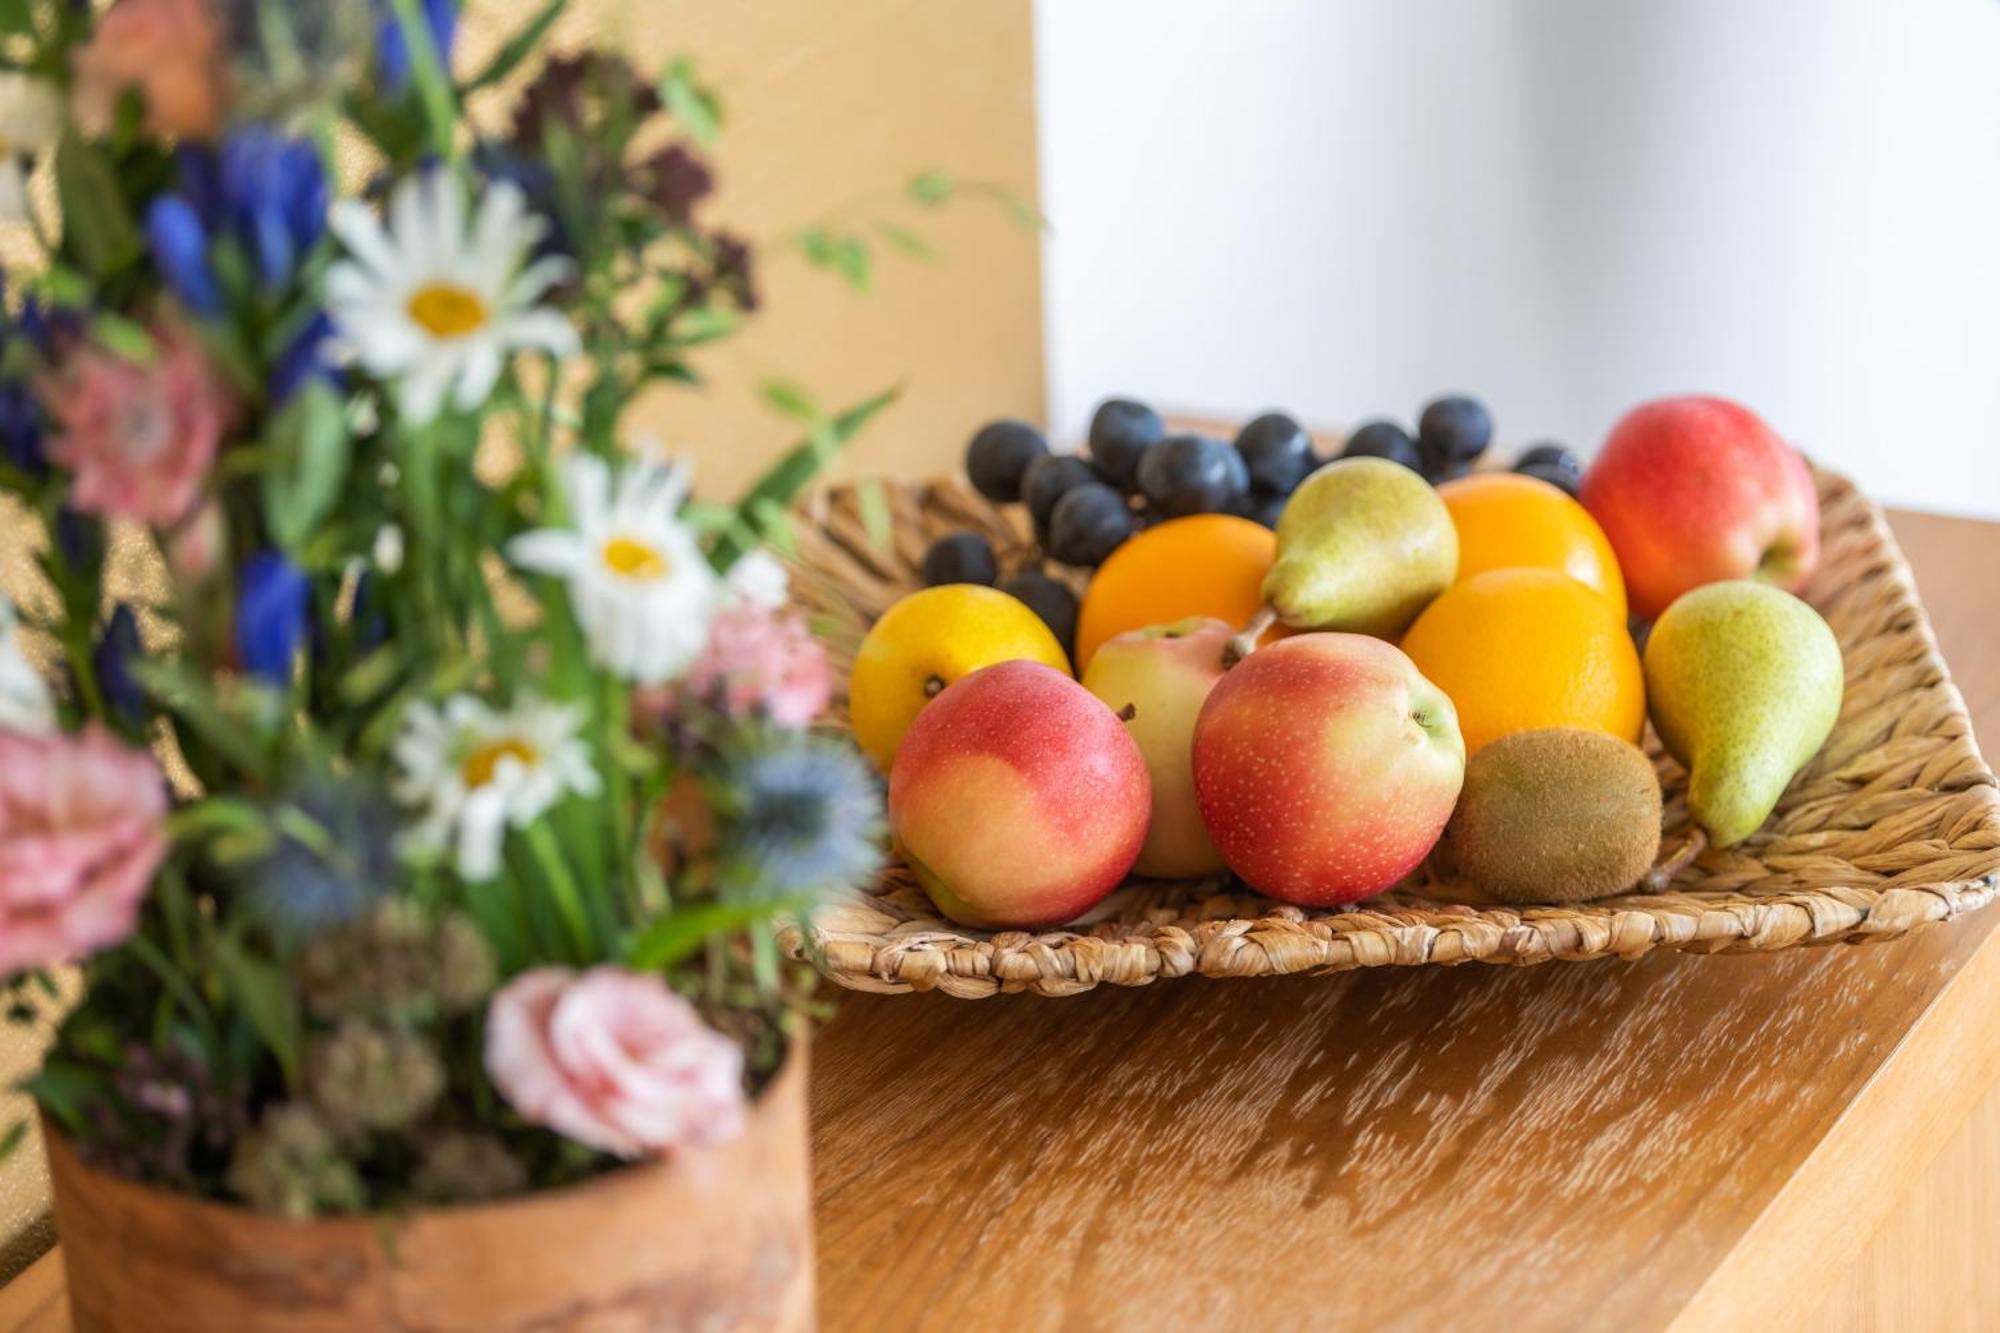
{"type": "Point", "coordinates": [632, 559]}
{"type": "Point", "coordinates": [447, 311]}
{"type": "Point", "coordinates": [480, 766]}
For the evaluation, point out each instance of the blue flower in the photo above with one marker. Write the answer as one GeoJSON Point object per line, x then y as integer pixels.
{"type": "Point", "coordinates": [261, 189]}
{"type": "Point", "coordinates": [307, 356]}
{"type": "Point", "coordinates": [180, 252]}
{"type": "Point", "coordinates": [21, 429]}
{"type": "Point", "coordinates": [271, 616]}
{"type": "Point", "coordinates": [79, 538]}
{"type": "Point", "coordinates": [392, 53]}
{"type": "Point", "coordinates": [274, 199]}
{"type": "Point", "coordinates": [333, 860]}
{"type": "Point", "coordinates": [803, 818]}
{"type": "Point", "coordinates": [111, 661]}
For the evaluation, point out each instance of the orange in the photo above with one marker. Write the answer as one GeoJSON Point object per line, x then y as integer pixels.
{"type": "Point", "coordinates": [1201, 565]}
{"type": "Point", "coordinates": [1518, 649]}
{"type": "Point", "coordinates": [1506, 520]}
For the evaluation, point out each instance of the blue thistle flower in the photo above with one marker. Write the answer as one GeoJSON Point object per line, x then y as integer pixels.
{"type": "Point", "coordinates": [271, 616]}
{"type": "Point", "coordinates": [334, 858]}
{"type": "Point", "coordinates": [804, 818]}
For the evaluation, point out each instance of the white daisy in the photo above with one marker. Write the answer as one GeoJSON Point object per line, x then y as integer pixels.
{"type": "Point", "coordinates": [30, 122]}
{"type": "Point", "coordinates": [642, 590]}
{"type": "Point", "coordinates": [436, 302]}
{"type": "Point", "coordinates": [473, 771]}
{"type": "Point", "coordinates": [25, 703]}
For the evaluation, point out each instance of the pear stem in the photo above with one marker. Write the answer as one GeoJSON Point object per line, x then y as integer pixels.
{"type": "Point", "coordinates": [1661, 875]}
{"type": "Point", "coordinates": [1245, 643]}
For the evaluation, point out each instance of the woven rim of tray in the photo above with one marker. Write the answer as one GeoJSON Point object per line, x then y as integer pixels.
{"type": "Point", "coordinates": [1895, 825]}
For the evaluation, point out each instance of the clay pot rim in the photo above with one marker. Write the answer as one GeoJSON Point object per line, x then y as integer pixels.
{"type": "Point", "coordinates": [625, 1175]}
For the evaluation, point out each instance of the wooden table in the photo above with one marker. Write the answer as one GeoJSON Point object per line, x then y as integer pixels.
{"type": "Point", "coordinates": [1771, 1141]}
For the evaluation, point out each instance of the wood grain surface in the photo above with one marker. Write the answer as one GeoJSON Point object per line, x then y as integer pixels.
{"type": "Point", "coordinates": [1566, 1146]}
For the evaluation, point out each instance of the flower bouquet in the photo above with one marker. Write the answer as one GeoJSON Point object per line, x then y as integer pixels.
{"type": "Point", "coordinates": [421, 825]}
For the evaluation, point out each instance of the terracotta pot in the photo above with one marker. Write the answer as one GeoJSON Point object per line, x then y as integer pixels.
{"type": "Point", "coordinates": [715, 1238]}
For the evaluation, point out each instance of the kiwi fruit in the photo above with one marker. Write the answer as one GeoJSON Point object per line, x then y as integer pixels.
{"type": "Point", "coordinates": [1556, 816]}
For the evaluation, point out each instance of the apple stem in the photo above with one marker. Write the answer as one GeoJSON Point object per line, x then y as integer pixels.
{"type": "Point", "coordinates": [1245, 643]}
{"type": "Point", "coordinates": [1661, 875]}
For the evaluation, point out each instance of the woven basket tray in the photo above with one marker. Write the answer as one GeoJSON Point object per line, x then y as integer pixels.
{"type": "Point", "coordinates": [1895, 825]}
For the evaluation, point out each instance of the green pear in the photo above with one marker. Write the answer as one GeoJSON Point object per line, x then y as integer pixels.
{"type": "Point", "coordinates": [1743, 683]}
{"type": "Point", "coordinates": [1364, 544]}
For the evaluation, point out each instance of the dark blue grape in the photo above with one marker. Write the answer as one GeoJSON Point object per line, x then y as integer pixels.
{"type": "Point", "coordinates": [1048, 598]}
{"type": "Point", "coordinates": [960, 557]}
{"type": "Point", "coordinates": [1278, 453]}
{"type": "Point", "coordinates": [1454, 429]}
{"type": "Point", "coordinates": [1090, 523]}
{"type": "Point", "coordinates": [1048, 480]}
{"type": "Point", "coordinates": [999, 457]}
{"type": "Point", "coordinates": [1121, 431]}
{"type": "Point", "coordinates": [1193, 474]}
{"type": "Point", "coordinates": [1383, 439]}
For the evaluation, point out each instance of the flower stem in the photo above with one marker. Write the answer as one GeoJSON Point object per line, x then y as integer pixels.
{"type": "Point", "coordinates": [563, 887]}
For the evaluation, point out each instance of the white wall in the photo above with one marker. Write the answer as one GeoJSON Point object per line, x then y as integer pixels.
{"type": "Point", "coordinates": [1344, 206]}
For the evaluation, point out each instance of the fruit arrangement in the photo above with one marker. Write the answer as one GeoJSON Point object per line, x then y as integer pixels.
{"type": "Point", "coordinates": [1318, 673]}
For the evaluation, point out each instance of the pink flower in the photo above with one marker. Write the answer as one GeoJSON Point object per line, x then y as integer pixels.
{"type": "Point", "coordinates": [759, 659]}
{"type": "Point", "coordinates": [140, 439]}
{"type": "Point", "coordinates": [614, 1060]}
{"type": "Point", "coordinates": [170, 51]}
{"type": "Point", "coordinates": [80, 838]}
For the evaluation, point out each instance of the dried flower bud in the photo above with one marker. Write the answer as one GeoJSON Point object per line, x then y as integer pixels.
{"type": "Point", "coordinates": [365, 1077]}
{"type": "Point", "coordinates": [466, 1166]}
{"type": "Point", "coordinates": [466, 972]}
{"type": "Point", "coordinates": [291, 1164]}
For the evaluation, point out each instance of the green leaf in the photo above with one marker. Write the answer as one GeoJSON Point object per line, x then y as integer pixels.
{"type": "Point", "coordinates": [97, 226]}
{"type": "Point", "coordinates": [308, 464]}
{"type": "Point", "coordinates": [789, 399]}
{"type": "Point", "coordinates": [694, 107]}
{"type": "Point", "coordinates": [840, 253]}
{"type": "Point", "coordinates": [774, 492]}
{"type": "Point", "coordinates": [122, 337]}
{"type": "Point", "coordinates": [931, 188]}
{"type": "Point", "coordinates": [191, 698]}
{"type": "Point", "coordinates": [63, 1091]}
{"type": "Point", "coordinates": [12, 1139]}
{"type": "Point", "coordinates": [673, 938]}
{"type": "Point", "coordinates": [875, 521]}
{"type": "Point", "coordinates": [526, 39]}
{"type": "Point", "coordinates": [434, 91]}
{"type": "Point", "coordinates": [904, 241]}
{"type": "Point", "coordinates": [16, 16]}
{"type": "Point", "coordinates": [1025, 214]}
{"type": "Point", "coordinates": [852, 263]}
{"type": "Point", "coordinates": [264, 994]}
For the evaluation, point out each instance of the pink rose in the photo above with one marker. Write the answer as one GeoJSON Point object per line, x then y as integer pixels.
{"type": "Point", "coordinates": [140, 439]}
{"type": "Point", "coordinates": [760, 659]}
{"type": "Point", "coordinates": [80, 838]}
{"type": "Point", "coordinates": [614, 1060]}
{"type": "Point", "coordinates": [170, 51]}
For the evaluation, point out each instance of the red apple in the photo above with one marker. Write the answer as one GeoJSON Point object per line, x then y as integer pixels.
{"type": "Point", "coordinates": [1018, 798]}
{"type": "Point", "coordinates": [1157, 679]}
{"type": "Point", "coordinates": [1326, 767]}
{"type": "Point", "coordinates": [1696, 490]}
